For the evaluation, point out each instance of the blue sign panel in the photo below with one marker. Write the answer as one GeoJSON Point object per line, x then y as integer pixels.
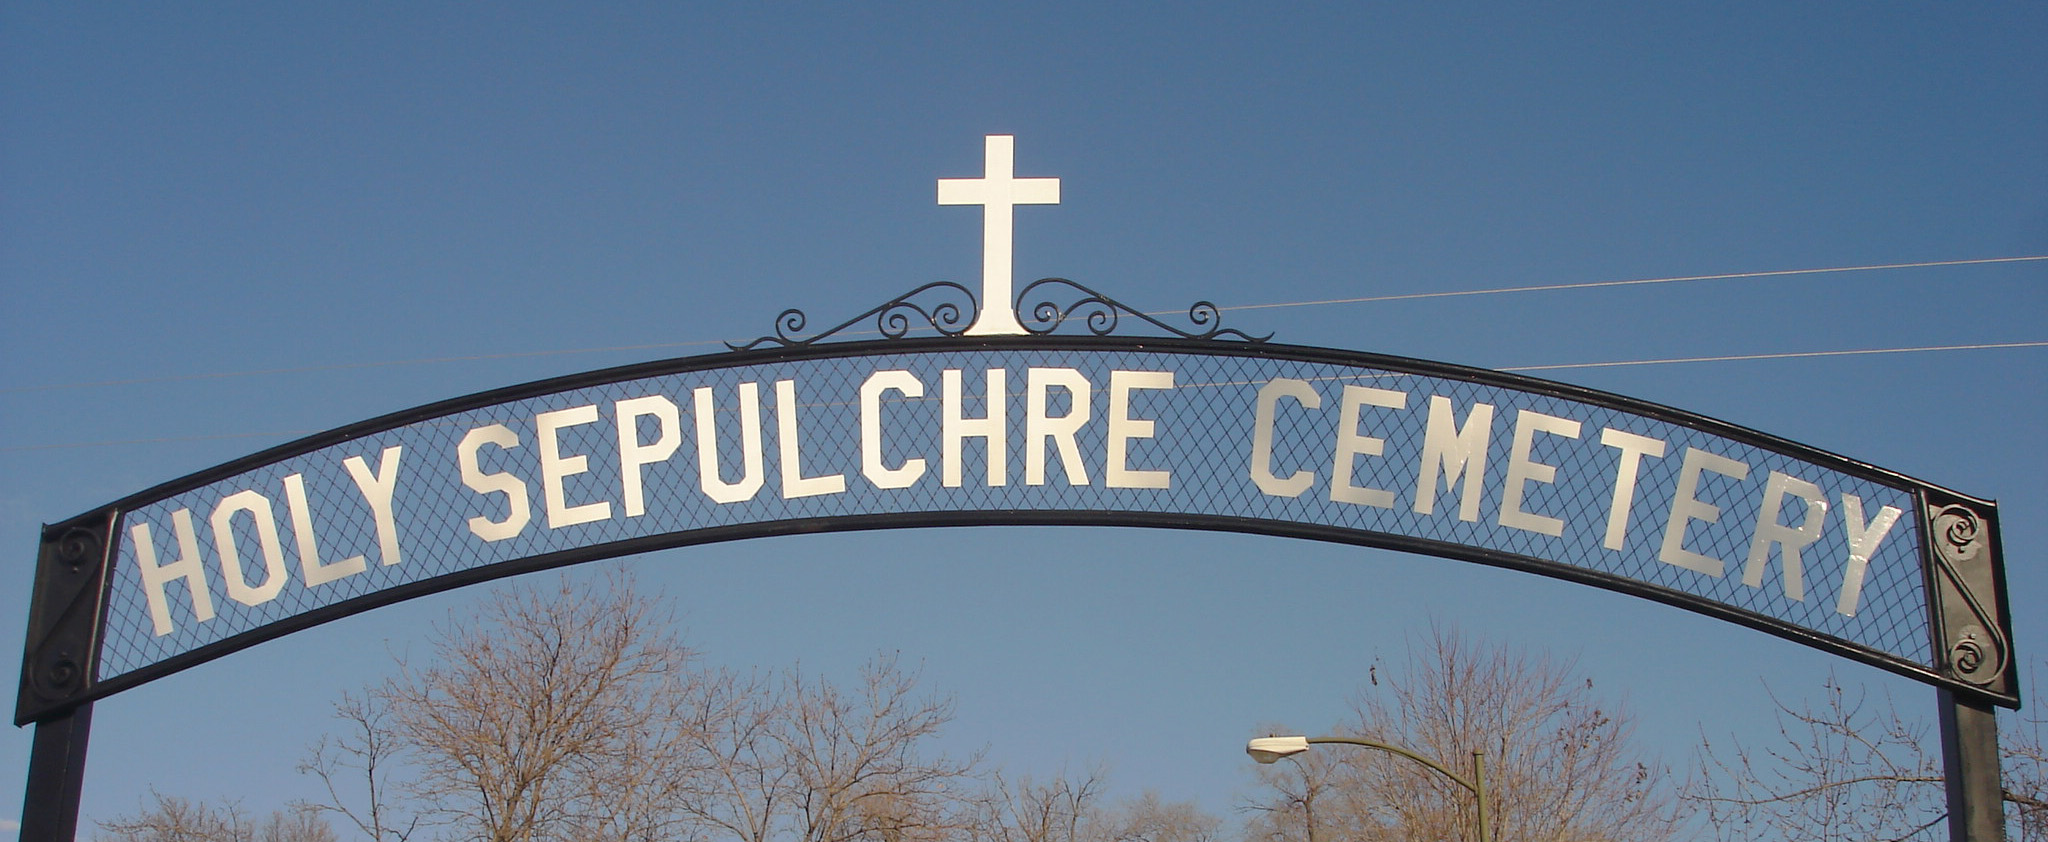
{"type": "Point", "coordinates": [1291, 441]}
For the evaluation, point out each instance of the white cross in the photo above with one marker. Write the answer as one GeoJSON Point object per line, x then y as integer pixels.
{"type": "Point", "coordinates": [998, 191]}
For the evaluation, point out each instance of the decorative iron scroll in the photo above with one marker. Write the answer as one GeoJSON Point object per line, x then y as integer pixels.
{"type": "Point", "coordinates": [897, 317]}
{"type": "Point", "coordinates": [1978, 649]}
{"type": "Point", "coordinates": [1101, 313]}
{"type": "Point", "coordinates": [65, 612]}
{"type": "Point", "coordinates": [893, 318]}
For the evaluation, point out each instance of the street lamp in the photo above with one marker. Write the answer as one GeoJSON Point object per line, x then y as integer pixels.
{"type": "Point", "coordinates": [1269, 749]}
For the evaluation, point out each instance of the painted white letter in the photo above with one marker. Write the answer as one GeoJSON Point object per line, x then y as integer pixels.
{"type": "Point", "coordinates": [554, 467]}
{"type": "Point", "coordinates": [871, 466]}
{"type": "Point", "coordinates": [1687, 507]}
{"type": "Point", "coordinates": [1453, 452]}
{"type": "Point", "coordinates": [633, 455]}
{"type": "Point", "coordinates": [751, 473]}
{"type": "Point", "coordinates": [1262, 436]}
{"type": "Point", "coordinates": [310, 567]}
{"type": "Point", "coordinates": [1122, 428]}
{"type": "Point", "coordinates": [187, 567]}
{"type": "Point", "coordinates": [1863, 540]}
{"type": "Point", "coordinates": [955, 428]}
{"type": "Point", "coordinates": [1789, 540]}
{"type": "Point", "coordinates": [1523, 470]}
{"type": "Point", "coordinates": [794, 483]}
{"type": "Point", "coordinates": [377, 490]}
{"type": "Point", "coordinates": [1351, 444]}
{"type": "Point", "coordinates": [1060, 431]}
{"type": "Point", "coordinates": [518, 508]}
{"type": "Point", "coordinates": [272, 550]}
{"type": "Point", "coordinates": [1633, 448]}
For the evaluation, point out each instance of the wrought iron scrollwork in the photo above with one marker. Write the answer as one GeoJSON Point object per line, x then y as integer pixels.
{"type": "Point", "coordinates": [943, 306]}
{"type": "Point", "coordinates": [950, 308]}
{"type": "Point", "coordinates": [1978, 650]}
{"type": "Point", "coordinates": [63, 616]}
{"type": "Point", "coordinates": [1100, 314]}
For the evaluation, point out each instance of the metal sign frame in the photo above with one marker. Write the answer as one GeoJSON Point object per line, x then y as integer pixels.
{"type": "Point", "coordinates": [1964, 580]}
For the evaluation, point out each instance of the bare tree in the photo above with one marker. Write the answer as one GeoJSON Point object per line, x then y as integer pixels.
{"type": "Point", "coordinates": [297, 823]}
{"type": "Point", "coordinates": [172, 819]}
{"type": "Point", "coordinates": [799, 757]}
{"type": "Point", "coordinates": [1305, 801]}
{"type": "Point", "coordinates": [1149, 818]}
{"type": "Point", "coordinates": [1854, 768]}
{"type": "Point", "coordinates": [1062, 809]}
{"type": "Point", "coordinates": [2025, 742]}
{"type": "Point", "coordinates": [1073, 809]}
{"type": "Point", "coordinates": [540, 714]}
{"type": "Point", "coordinates": [365, 752]}
{"type": "Point", "coordinates": [1559, 761]}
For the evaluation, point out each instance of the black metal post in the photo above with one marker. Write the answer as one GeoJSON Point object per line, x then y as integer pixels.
{"type": "Point", "coordinates": [1969, 753]}
{"type": "Point", "coordinates": [56, 776]}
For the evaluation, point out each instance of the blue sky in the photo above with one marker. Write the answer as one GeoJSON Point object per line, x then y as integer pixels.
{"type": "Point", "coordinates": [390, 204]}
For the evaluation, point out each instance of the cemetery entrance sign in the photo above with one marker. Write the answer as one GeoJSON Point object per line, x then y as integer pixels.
{"type": "Point", "coordinates": [1049, 412]}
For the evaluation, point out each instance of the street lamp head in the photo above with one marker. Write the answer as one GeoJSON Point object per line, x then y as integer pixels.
{"type": "Point", "coordinates": [1269, 749]}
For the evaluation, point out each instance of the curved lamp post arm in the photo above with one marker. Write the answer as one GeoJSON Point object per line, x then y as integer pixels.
{"type": "Point", "coordinates": [1460, 780]}
{"type": "Point", "coordinates": [1269, 749]}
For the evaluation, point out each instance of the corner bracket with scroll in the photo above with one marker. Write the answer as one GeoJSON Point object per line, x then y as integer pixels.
{"type": "Point", "coordinates": [1972, 625]}
{"type": "Point", "coordinates": [64, 617]}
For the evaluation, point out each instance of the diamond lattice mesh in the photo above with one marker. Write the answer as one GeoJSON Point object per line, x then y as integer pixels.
{"type": "Point", "coordinates": [1203, 431]}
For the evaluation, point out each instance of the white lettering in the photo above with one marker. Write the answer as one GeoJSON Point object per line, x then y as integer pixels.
{"type": "Point", "coordinates": [794, 483]}
{"type": "Point", "coordinates": [1522, 470]}
{"type": "Point", "coordinates": [518, 508]}
{"type": "Point", "coordinates": [1629, 467]}
{"type": "Point", "coordinates": [554, 467]}
{"type": "Point", "coordinates": [751, 474]}
{"type": "Point", "coordinates": [377, 490]}
{"type": "Point", "coordinates": [1262, 436]}
{"type": "Point", "coordinates": [1351, 444]}
{"type": "Point", "coordinates": [955, 427]}
{"type": "Point", "coordinates": [1122, 428]}
{"type": "Point", "coordinates": [871, 465]}
{"type": "Point", "coordinates": [310, 568]}
{"type": "Point", "coordinates": [1451, 451]}
{"type": "Point", "coordinates": [1041, 429]}
{"type": "Point", "coordinates": [1863, 539]}
{"type": "Point", "coordinates": [635, 455]}
{"type": "Point", "coordinates": [267, 545]}
{"type": "Point", "coordinates": [1789, 540]}
{"type": "Point", "coordinates": [1687, 507]}
{"type": "Point", "coordinates": [187, 567]}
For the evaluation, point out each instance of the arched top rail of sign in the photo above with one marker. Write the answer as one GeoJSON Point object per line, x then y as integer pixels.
{"type": "Point", "coordinates": [1170, 432]}
{"type": "Point", "coordinates": [1041, 413]}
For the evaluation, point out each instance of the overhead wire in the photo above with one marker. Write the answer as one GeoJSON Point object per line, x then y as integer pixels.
{"type": "Point", "coordinates": [1787, 355]}
{"type": "Point", "coordinates": [1273, 305]}
{"type": "Point", "coordinates": [1635, 282]}
{"type": "Point", "coordinates": [175, 378]}
{"type": "Point", "coordinates": [1518, 368]}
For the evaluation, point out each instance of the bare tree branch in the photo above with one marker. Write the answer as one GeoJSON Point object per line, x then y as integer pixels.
{"type": "Point", "coordinates": [1854, 768]}
{"type": "Point", "coordinates": [1559, 759]}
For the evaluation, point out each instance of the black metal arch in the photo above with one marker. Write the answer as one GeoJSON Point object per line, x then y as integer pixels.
{"type": "Point", "coordinates": [59, 668]}
{"type": "Point", "coordinates": [1959, 555]}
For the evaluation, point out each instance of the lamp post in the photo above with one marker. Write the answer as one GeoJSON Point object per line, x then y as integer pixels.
{"type": "Point", "coordinates": [1269, 749]}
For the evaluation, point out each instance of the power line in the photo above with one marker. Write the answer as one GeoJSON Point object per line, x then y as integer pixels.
{"type": "Point", "coordinates": [1637, 282]}
{"type": "Point", "coordinates": [1558, 367]}
{"type": "Point", "coordinates": [1780, 356]}
{"type": "Point", "coordinates": [220, 375]}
